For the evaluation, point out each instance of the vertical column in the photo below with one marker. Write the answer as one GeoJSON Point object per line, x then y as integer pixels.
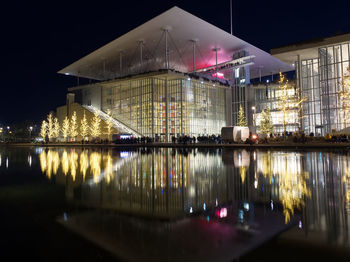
{"type": "Point", "coordinates": [121, 63]}
{"type": "Point", "coordinates": [130, 105]}
{"type": "Point", "coordinates": [194, 54]}
{"type": "Point", "coordinates": [231, 16]}
{"type": "Point", "coordinates": [152, 83]}
{"type": "Point", "coordinates": [299, 83]}
{"type": "Point", "coordinates": [166, 110]}
{"type": "Point", "coordinates": [141, 43]}
{"type": "Point", "coordinates": [260, 67]}
{"type": "Point", "coordinates": [166, 49]}
{"type": "Point", "coordinates": [216, 49]}
{"type": "Point", "coordinates": [181, 104]}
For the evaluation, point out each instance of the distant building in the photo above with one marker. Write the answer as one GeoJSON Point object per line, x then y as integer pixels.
{"type": "Point", "coordinates": [174, 75]}
{"type": "Point", "coordinates": [320, 65]}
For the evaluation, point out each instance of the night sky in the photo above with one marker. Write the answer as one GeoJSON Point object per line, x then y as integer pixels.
{"type": "Point", "coordinates": [39, 39]}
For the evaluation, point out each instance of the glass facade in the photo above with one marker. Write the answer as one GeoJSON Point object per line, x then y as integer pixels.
{"type": "Point", "coordinates": [166, 106]}
{"type": "Point", "coordinates": [312, 121]}
{"type": "Point", "coordinates": [321, 84]}
{"type": "Point", "coordinates": [269, 96]}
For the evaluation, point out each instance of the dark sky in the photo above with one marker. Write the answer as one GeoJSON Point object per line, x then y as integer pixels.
{"type": "Point", "coordinates": [39, 39]}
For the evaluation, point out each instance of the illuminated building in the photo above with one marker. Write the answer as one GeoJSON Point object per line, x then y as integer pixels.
{"type": "Point", "coordinates": [268, 95]}
{"type": "Point", "coordinates": [174, 75]}
{"type": "Point", "coordinates": [320, 65]}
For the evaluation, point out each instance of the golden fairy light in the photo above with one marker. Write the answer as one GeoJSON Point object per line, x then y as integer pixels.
{"type": "Point", "coordinates": [95, 127]}
{"type": "Point", "coordinates": [243, 172]}
{"type": "Point", "coordinates": [84, 127]}
{"type": "Point", "coordinates": [108, 165]}
{"type": "Point", "coordinates": [43, 164]}
{"type": "Point", "coordinates": [43, 129]}
{"type": "Point", "coordinates": [50, 128]}
{"type": "Point", "coordinates": [55, 161]}
{"type": "Point", "coordinates": [73, 164]}
{"type": "Point", "coordinates": [289, 99]}
{"type": "Point", "coordinates": [84, 163]}
{"type": "Point", "coordinates": [65, 128]}
{"type": "Point", "coordinates": [287, 171]}
{"type": "Point", "coordinates": [74, 126]}
{"type": "Point", "coordinates": [56, 128]}
{"type": "Point", "coordinates": [95, 165]}
{"type": "Point", "coordinates": [345, 95]}
{"type": "Point", "coordinates": [65, 162]}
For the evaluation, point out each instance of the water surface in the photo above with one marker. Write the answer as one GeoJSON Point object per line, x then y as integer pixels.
{"type": "Point", "coordinates": [200, 204]}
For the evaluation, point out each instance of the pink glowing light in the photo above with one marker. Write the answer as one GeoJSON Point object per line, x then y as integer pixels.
{"type": "Point", "coordinates": [220, 75]}
{"type": "Point", "coordinates": [221, 213]}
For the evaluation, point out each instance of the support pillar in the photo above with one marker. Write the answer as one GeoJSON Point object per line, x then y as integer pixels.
{"type": "Point", "coordinates": [299, 85]}
{"type": "Point", "coordinates": [141, 43]}
{"type": "Point", "coordinates": [216, 49]}
{"type": "Point", "coordinates": [121, 63]}
{"type": "Point", "coordinates": [194, 54]}
{"type": "Point", "coordinates": [166, 49]}
{"type": "Point", "coordinates": [166, 110]}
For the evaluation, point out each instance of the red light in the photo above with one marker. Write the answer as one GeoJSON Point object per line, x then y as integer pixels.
{"type": "Point", "coordinates": [220, 75]}
{"type": "Point", "coordinates": [254, 136]}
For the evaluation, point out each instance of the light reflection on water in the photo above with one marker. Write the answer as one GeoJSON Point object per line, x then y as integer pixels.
{"type": "Point", "coordinates": [172, 182]}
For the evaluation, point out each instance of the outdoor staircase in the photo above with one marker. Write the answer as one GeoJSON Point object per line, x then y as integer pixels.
{"type": "Point", "coordinates": [116, 123]}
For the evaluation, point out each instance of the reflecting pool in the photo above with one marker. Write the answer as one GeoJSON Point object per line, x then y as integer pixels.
{"type": "Point", "coordinates": [209, 203]}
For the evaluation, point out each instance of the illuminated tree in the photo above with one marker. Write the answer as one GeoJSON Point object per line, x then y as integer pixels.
{"type": "Point", "coordinates": [50, 130]}
{"type": "Point", "coordinates": [109, 123]}
{"type": "Point", "coordinates": [266, 126]}
{"type": "Point", "coordinates": [74, 126]}
{"type": "Point", "coordinates": [43, 129]}
{"type": "Point", "coordinates": [84, 127]}
{"type": "Point", "coordinates": [65, 128]}
{"type": "Point", "coordinates": [56, 128]}
{"type": "Point", "coordinates": [95, 128]}
{"type": "Point", "coordinates": [345, 95]}
{"type": "Point", "coordinates": [289, 99]}
{"type": "Point", "coordinates": [242, 121]}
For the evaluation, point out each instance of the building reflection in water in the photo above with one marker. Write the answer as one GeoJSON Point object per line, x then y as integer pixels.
{"type": "Point", "coordinates": [173, 182]}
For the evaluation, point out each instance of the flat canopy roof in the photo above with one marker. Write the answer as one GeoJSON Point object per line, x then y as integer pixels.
{"type": "Point", "coordinates": [307, 49]}
{"type": "Point", "coordinates": [143, 49]}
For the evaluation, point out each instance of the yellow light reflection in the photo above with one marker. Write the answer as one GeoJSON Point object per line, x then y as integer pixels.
{"type": "Point", "coordinates": [42, 158]}
{"type": "Point", "coordinates": [108, 164]}
{"type": "Point", "coordinates": [73, 162]}
{"type": "Point", "coordinates": [65, 162]}
{"type": "Point", "coordinates": [95, 165]}
{"type": "Point", "coordinates": [286, 169]}
{"type": "Point", "coordinates": [84, 163]}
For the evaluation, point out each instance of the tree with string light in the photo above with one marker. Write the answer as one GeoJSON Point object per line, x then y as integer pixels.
{"type": "Point", "coordinates": [84, 127]}
{"type": "Point", "coordinates": [345, 95]}
{"type": "Point", "coordinates": [74, 126]}
{"type": "Point", "coordinates": [266, 125]}
{"type": "Point", "coordinates": [56, 128]}
{"type": "Point", "coordinates": [109, 124]}
{"type": "Point", "coordinates": [50, 129]}
{"type": "Point", "coordinates": [289, 99]}
{"type": "Point", "coordinates": [43, 129]}
{"type": "Point", "coordinates": [65, 128]}
{"type": "Point", "coordinates": [242, 121]}
{"type": "Point", "coordinates": [95, 127]}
